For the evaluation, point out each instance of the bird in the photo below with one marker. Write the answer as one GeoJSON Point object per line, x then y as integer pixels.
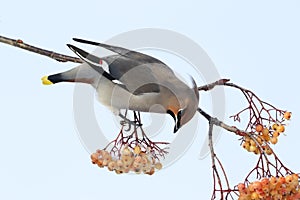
{"type": "Point", "coordinates": [134, 81]}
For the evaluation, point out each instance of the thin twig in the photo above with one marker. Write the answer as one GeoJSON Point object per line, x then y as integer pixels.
{"type": "Point", "coordinates": [213, 155]}
{"type": "Point", "coordinates": [257, 112]}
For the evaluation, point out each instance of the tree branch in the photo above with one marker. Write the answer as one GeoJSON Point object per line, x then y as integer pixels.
{"type": "Point", "coordinates": [56, 56]}
{"type": "Point", "coordinates": [217, 122]}
{"type": "Point", "coordinates": [212, 85]}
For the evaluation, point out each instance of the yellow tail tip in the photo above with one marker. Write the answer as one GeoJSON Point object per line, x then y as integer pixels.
{"type": "Point", "coordinates": [46, 81]}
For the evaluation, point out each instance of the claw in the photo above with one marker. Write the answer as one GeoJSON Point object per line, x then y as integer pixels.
{"type": "Point", "coordinates": [125, 121]}
{"type": "Point", "coordinates": [129, 123]}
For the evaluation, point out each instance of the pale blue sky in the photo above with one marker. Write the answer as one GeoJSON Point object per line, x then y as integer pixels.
{"type": "Point", "coordinates": [256, 44]}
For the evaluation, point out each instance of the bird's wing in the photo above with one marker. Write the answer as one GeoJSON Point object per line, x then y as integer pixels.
{"type": "Point", "coordinates": [134, 74]}
{"type": "Point", "coordinates": [134, 59]}
{"type": "Point", "coordinates": [136, 56]}
{"type": "Point", "coordinates": [94, 60]}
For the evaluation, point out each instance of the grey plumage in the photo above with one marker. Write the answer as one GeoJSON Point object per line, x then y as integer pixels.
{"type": "Point", "coordinates": [143, 81]}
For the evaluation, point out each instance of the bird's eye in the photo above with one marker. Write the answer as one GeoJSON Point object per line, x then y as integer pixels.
{"type": "Point", "coordinates": [180, 113]}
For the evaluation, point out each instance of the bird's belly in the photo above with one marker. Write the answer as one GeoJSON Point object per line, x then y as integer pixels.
{"type": "Point", "coordinates": [122, 99]}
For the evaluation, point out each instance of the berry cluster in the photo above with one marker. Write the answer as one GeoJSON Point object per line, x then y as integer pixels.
{"type": "Point", "coordinates": [263, 135]}
{"type": "Point", "coordinates": [283, 188]}
{"type": "Point", "coordinates": [129, 160]}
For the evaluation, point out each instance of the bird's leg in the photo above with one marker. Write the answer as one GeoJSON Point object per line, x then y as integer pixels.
{"type": "Point", "coordinates": [125, 120]}
{"type": "Point", "coordinates": [137, 118]}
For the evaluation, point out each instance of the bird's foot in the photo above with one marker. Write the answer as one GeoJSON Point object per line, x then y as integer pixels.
{"type": "Point", "coordinates": [128, 122]}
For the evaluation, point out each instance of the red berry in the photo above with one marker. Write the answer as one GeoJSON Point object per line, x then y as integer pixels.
{"type": "Point", "coordinates": [287, 115]}
{"type": "Point", "coordinates": [259, 128]}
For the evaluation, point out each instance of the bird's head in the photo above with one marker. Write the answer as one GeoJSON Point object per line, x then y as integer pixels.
{"type": "Point", "coordinates": [184, 107]}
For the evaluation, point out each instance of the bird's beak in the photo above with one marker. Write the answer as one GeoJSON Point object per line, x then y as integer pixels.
{"type": "Point", "coordinates": [176, 120]}
{"type": "Point", "coordinates": [175, 129]}
{"type": "Point", "coordinates": [177, 125]}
